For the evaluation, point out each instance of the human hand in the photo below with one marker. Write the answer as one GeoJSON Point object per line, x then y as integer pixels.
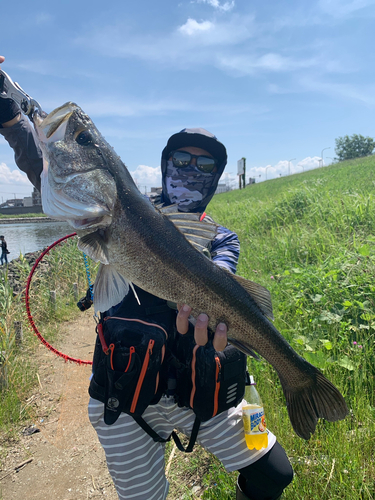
{"type": "Point", "coordinates": [9, 111]}
{"type": "Point", "coordinates": [201, 328]}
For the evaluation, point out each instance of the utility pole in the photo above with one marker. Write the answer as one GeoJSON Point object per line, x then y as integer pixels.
{"type": "Point", "coordinates": [289, 165]}
{"type": "Point", "coordinates": [322, 156]}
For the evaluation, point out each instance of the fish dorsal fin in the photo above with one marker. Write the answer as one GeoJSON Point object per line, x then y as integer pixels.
{"type": "Point", "coordinates": [110, 288]}
{"type": "Point", "coordinates": [94, 246]}
{"type": "Point", "coordinates": [198, 233]}
{"type": "Point", "coordinates": [259, 293]}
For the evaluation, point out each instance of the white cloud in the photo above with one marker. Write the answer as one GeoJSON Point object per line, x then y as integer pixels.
{"type": "Point", "coordinates": [146, 176]}
{"type": "Point", "coordinates": [12, 177]}
{"type": "Point", "coordinates": [363, 93]}
{"type": "Point", "coordinates": [225, 7]}
{"type": "Point", "coordinates": [343, 8]}
{"type": "Point", "coordinates": [237, 45]}
{"type": "Point", "coordinates": [13, 182]}
{"type": "Point", "coordinates": [249, 64]}
{"type": "Point", "coordinates": [191, 27]}
{"type": "Point", "coordinates": [153, 107]}
{"type": "Point", "coordinates": [232, 31]}
{"type": "Point", "coordinates": [284, 168]}
{"type": "Point", "coordinates": [188, 45]}
{"type": "Point", "coordinates": [308, 163]}
{"type": "Point", "coordinates": [230, 179]}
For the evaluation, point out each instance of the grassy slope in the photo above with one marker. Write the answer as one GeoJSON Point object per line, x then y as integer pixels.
{"type": "Point", "coordinates": [310, 239]}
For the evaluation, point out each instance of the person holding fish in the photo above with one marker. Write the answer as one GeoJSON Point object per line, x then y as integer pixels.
{"type": "Point", "coordinates": [154, 370]}
{"type": "Point", "coordinates": [192, 163]}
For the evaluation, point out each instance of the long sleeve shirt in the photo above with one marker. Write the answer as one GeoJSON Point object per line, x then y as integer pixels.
{"type": "Point", "coordinates": [27, 153]}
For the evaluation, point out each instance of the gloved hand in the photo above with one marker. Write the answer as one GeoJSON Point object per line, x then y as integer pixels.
{"type": "Point", "coordinates": [8, 108]}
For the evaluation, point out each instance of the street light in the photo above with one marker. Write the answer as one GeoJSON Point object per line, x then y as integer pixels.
{"type": "Point", "coordinates": [322, 156]}
{"type": "Point", "coordinates": [289, 165]}
{"type": "Point", "coordinates": [267, 169]}
{"type": "Point", "coordinates": [303, 167]}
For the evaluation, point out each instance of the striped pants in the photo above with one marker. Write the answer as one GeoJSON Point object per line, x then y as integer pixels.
{"type": "Point", "coordinates": [136, 462]}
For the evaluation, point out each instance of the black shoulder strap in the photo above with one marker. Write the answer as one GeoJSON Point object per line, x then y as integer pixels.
{"type": "Point", "coordinates": [193, 437]}
{"type": "Point", "coordinates": [158, 439]}
{"type": "Point", "coordinates": [155, 436]}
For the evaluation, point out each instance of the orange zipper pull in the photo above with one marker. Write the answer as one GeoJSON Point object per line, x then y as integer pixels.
{"type": "Point", "coordinates": [151, 345]}
{"type": "Point", "coordinates": [132, 351]}
{"type": "Point", "coordinates": [111, 348]}
{"type": "Point", "coordinates": [217, 386]}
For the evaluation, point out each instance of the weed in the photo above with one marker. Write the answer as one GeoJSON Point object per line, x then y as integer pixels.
{"type": "Point", "coordinates": [310, 239]}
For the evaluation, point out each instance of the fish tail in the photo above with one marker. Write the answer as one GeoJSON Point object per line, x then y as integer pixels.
{"type": "Point", "coordinates": [317, 399]}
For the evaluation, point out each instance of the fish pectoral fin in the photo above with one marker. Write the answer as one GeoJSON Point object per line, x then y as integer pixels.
{"type": "Point", "coordinates": [243, 347]}
{"type": "Point", "coordinates": [259, 293]}
{"type": "Point", "coordinates": [198, 233]}
{"type": "Point", "coordinates": [94, 246]}
{"type": "Point", "coordinates": [110, 288]}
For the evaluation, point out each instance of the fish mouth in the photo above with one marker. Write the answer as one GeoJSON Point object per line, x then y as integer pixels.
{"type": "Point", "coordinates": [50, 128]}
{"type": "Point", "coordinates": [91, 222]}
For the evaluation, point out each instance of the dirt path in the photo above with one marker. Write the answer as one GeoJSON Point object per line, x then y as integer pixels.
{"type": "Point", "coordinates": [68, 462]}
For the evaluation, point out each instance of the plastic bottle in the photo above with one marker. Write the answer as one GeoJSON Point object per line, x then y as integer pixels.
{"type": "Point", "coordinates": [254, 421]}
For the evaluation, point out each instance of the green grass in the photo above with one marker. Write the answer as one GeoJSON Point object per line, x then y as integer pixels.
{"type": "Point", "coordinates": [21, 216]}
{"type": "Point", "coordinates": [310, 239]}
{"type": "Point", "coordinates": [58, 270]}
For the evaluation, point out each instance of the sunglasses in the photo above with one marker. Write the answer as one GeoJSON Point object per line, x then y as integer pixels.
{"type": "Point", "coordinates": [182, 159]}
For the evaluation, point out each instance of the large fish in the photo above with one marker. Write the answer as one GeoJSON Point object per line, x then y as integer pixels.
{"type": "Point", "coordinates": [86, 183]}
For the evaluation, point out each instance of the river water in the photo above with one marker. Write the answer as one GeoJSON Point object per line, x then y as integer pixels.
{"type": "Point", "coordinates": [29, 237]}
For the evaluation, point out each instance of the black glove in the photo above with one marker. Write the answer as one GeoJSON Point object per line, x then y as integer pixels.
{"type": "Point", "coordinates": [8, 110]}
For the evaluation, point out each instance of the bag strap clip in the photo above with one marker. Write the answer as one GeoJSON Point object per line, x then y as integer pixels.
{"type": "Point", "coordinates": [158, 439]}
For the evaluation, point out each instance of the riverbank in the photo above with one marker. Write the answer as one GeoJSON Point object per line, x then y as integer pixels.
{"type": "Point", "coordinates": [16, 267]}
{"type": "Point", "coordinates": [21, 220]}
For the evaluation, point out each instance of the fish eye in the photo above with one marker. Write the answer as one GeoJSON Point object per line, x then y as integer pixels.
{"type": "Point", "coordinates": [84, 138]}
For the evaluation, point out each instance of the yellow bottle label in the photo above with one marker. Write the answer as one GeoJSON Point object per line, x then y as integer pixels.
{"type": "Point", "coordinates": [254, 420]}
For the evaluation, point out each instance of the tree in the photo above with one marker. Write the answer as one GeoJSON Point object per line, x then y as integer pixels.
{"type": "Point", "coordinates": [353, 147]}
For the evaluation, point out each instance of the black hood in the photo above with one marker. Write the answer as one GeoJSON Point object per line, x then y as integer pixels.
{"type": "Point", "coordinates": [199, 138]}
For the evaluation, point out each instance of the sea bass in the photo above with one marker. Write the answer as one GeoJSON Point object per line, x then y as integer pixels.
{"type": "Point", "coordinates": [85, 183]}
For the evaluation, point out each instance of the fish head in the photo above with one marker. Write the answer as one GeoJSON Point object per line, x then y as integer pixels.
{"type": "Point", "coordinates": [77, 186]}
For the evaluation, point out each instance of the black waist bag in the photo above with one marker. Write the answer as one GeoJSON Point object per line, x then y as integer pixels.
{"type": "Point", "coordinates": [211, 381]}
{"type": "Point", "coordinates": [131, 368]}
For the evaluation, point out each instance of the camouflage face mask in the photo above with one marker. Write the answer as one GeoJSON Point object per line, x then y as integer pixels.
{"type": "Point", "coordinates": [187, 186]}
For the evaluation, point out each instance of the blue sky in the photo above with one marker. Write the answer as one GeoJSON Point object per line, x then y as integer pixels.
{"type": "Point", "coordinates": [273, 80]}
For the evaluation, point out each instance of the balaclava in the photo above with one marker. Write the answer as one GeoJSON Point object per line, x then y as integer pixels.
{"type": "Point", "coordinates": [191, 189]}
